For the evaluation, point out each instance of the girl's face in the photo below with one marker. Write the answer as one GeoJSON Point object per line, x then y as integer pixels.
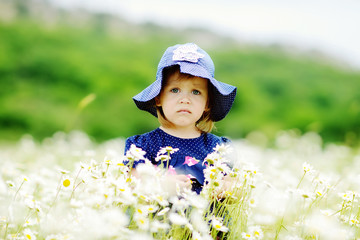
{"type": "Point", "coordinates": [184, 100]}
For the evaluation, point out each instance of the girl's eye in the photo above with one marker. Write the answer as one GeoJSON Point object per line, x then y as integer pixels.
{"type": "Point", "coordinates": [196, 92]}
{"type": "Point", "coordinates": [174, 90]}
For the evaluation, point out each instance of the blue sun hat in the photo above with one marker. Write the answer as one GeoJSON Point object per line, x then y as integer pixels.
{"type": "Point", "coordinates": [194, 61]}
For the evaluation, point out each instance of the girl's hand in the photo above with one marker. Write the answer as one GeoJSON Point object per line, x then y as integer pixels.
{"type": "Point", "coordinates": [228, 183]}
{"type": "Point", "coordinates": [228, 187]}
{"type": "Point", "coordinates": [178, 180]}
{"type": "Point", "coordinates": [183, 180]}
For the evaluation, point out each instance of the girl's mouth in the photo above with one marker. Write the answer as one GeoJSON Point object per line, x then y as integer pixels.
{"type": "Point", "coordinates": [183, 111]}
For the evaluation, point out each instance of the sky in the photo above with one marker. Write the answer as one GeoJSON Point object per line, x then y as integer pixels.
{"type": "Point", "coordinates": [329, 26]}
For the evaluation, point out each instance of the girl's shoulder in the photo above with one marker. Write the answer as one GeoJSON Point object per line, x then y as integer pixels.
{"type": "Point", "coordinates": [212, 138]}
{"type": "Point", "coordinates": [146, 141]}
{"type": "Point", "coordinates": [142, 140]}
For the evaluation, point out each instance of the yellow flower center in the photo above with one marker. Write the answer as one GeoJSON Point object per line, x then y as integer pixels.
{"type": "Point", "coordinates": [66, 182]}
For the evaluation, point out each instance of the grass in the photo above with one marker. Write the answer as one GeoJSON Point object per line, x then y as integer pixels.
{"type": "Point", "coordinates": [69, 187]}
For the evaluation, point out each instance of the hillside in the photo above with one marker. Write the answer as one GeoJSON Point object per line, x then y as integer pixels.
{"type": "Point", "coordinates": [48, 67]}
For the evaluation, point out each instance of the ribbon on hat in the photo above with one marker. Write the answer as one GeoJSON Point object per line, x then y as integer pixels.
{"type": "Point", "coordinates": [188, 53]}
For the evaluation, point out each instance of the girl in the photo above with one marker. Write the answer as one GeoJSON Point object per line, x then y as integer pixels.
{"type": "Point", "coordinates": [187, 100]}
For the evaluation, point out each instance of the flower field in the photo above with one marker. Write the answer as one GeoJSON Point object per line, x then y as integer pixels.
{"type": "Point", "coordinates": [68, 187]}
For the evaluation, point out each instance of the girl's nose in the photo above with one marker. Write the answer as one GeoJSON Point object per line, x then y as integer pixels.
{"type": "Point", "coordinates": [185, 99]}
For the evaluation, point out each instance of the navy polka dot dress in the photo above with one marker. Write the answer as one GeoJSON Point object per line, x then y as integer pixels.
{"type": "Point", "coordinates": [197, 148]}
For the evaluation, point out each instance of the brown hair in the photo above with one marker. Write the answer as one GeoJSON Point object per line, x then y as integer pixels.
{"type": "Point", "coordinates": [205, 124]}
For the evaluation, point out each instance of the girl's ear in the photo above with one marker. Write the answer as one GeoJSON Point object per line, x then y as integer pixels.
{"type": "Point", "coordinates": [157, 101]}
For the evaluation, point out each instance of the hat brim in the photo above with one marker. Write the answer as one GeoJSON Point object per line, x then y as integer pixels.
{"type": "Point", "coordinates": [224, 94]}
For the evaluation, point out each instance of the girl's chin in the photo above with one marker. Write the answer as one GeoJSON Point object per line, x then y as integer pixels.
{"type": "Point", "coordinates": [184, 121]}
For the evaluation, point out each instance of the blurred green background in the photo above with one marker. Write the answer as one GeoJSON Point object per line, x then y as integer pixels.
{"type": "Point", "coordinates": [61, 71]}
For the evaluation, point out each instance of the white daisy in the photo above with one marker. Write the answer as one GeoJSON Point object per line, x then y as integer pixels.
{"type": "Point", "coordinates": [218, 225]}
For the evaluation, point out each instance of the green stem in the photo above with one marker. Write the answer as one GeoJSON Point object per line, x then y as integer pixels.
{"type": "Point", "coordinates": [168, 160]}
{"type": "Point", "coordinates": [56, 196]}
{"type": "Point", "coordinates": [73, 191]}
{"type": "Point", "coordinates": [6, 228]}
{"type": "Point", "coordinates": [282, 220]}
{"type": "Point", "coordinates": [352, 206]}
{"type": "Point", "coordinates": [130, 164]}
{"type": "Point", "coordinates": [280, 226]}
{"type": "Point", "coordinates": [26, 218]}
{"type": "Point", "coordinates": [301, 180]}
{"type": "Point", "coordinates": [74, 187]}
{"type": "Point", "coordinates": [107, 168]}
{"type": "Point", "coordinates": [18, 189]}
